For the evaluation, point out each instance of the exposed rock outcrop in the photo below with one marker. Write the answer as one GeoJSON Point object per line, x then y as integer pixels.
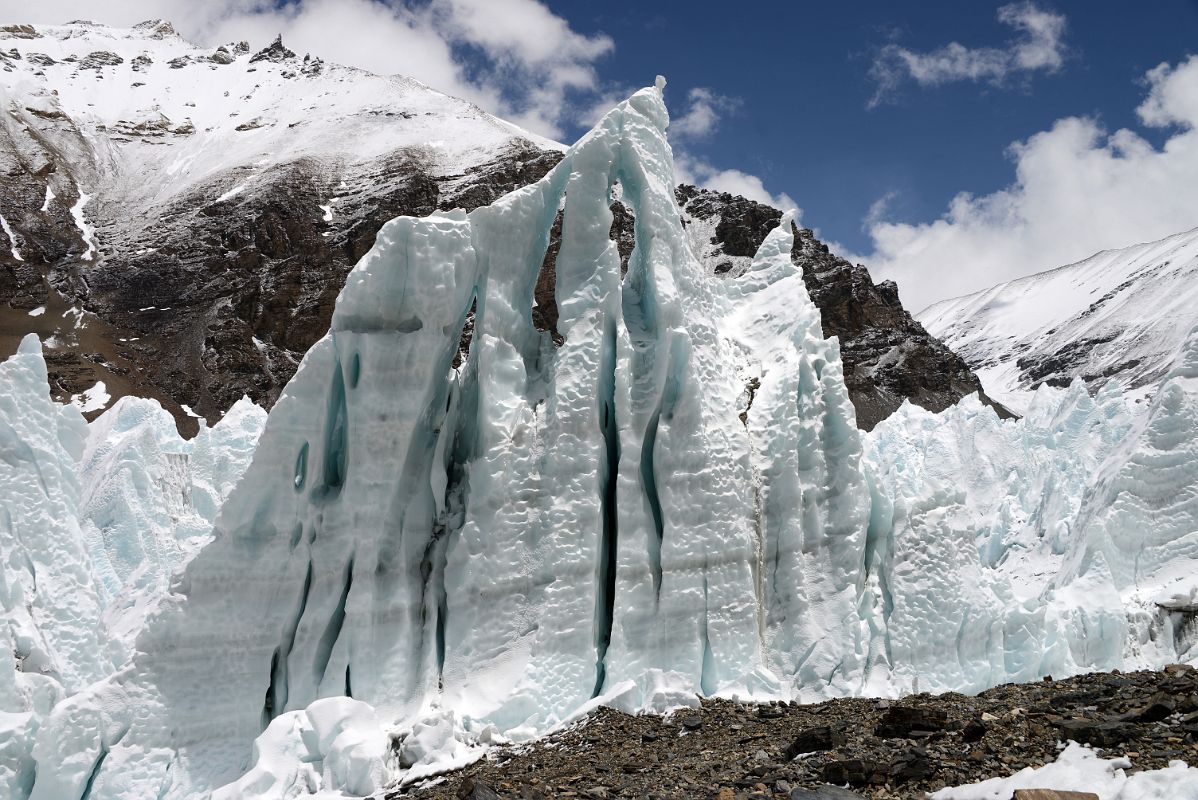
{"type": "Point", "coordinates": [724, 749]}
{"type": "Point", "coordinates": [888, 356]}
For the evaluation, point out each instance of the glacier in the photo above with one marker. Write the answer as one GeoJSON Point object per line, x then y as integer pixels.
{"type": "Point", "coordinates": [428, 553]}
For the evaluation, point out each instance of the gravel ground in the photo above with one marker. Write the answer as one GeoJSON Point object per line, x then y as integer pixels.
{"type": "Point", "coordinates": [877, 748]}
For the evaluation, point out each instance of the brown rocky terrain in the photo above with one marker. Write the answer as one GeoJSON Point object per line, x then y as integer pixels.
{"type": "Point", "coordinates": [843, 748]}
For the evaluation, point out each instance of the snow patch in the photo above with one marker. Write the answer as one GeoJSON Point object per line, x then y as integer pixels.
{"type": "Point", "coordinates": [1080, 769]}
{"type": "Point", "coordinates": [229, 195]}
{"type": "Point", "coordinates": [37, 312]}
{"type": "Point", "coordinates": [12, 239]}
{"type": "Point", "coordinates": [92, 399]}
{"type": "Point", "coordinates": [85, 229]}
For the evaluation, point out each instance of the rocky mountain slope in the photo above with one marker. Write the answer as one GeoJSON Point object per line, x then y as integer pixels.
{"type": "Point", "coordinates": [1119, 314]}
{"type": "Point", "coordinates": [888, 356]}
{"type": "Point", "coordinates": [179, 220]}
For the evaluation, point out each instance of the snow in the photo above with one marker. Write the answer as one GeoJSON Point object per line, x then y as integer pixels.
{"type": "Point", "coordinates": [1080, 769]}
{"type": "Point", "coordinates": [85, 229]}
{"type": "Point", "coordinates": [1118, 314]}
{"type": "Point", "coordinates": [37, 312]}
{"type": "Point", "coordinates": [333, 748]}
{"type": "Point", "coordinates": [674, 502]}
{"type": "Point", "coordinates": [146, 135]}
{"type": "Point", "coordinates": [49, 196]}
{"type": "Point", "coordinates": [12, 240]}
{"type": "Point", "coordinates": [229, 195]}
{"type": "Point", "coordinates": [92, 399]}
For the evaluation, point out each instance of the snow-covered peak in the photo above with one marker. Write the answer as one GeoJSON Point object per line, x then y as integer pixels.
{"type": "Point", "coordinates": [1118, 314]}
{"type": "Point", "coordinates": [185, 215]}
{"type": "Point", "coordinates": [171, 113]}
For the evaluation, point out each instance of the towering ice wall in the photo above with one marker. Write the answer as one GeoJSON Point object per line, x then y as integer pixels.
{"type": "Point", "coordinates": [670, 502]}
{"type": "Point", "coordinates": [149, 498]}
{"type": "Point", "coordinates": [52, 609]}
{"type": "Point", "coordinates": [973, 519]}
{"type": "Point", "coordinates": [52, 642]}
{"type": "Point", "coordinates": [1139, 523]}
{"type": "Point", "coordinates": [1060, 543]}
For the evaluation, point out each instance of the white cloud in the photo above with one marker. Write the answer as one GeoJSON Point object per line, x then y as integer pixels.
{"type": "Point", "coordinates": [1078, 189]}
{"type": "Point", "coordinates": [533, 53]}
{"type": "Point", "coordinates": [702, 116]}
{"type": "Point", "coordinates": [696, 171]}
{"type": "Point", "coordinates": [535, 65]}
{"type": "Point", "coordinates": [1039, 47]}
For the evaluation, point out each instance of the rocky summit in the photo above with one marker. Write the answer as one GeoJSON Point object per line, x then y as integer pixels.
{"type": "Point", "coordinates": [844, 748]}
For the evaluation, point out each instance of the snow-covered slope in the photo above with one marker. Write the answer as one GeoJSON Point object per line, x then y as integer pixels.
{"type": "Point", "coordinates": [172, 100]}
{"type": "Point", "coordinates": [180, 219]}
{"type": "Point", "coordinates": [427, 554]}
{"type": "Point", "coordinates": [1118, 314]}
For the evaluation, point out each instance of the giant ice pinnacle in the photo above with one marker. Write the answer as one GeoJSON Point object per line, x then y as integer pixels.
{"type": "Point", "coordinates": [674, 501]}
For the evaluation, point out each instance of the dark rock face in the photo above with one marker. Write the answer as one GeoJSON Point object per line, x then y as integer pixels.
{"type": "Point", "coordinates": [903, 721]}
{"type": "Point", "coordinates": [219, 296]}
{"type": "Point", "coordinates": [888, 356]}
{"type": "Point", "coordinates": [277, 51]}
{"type": "Point", "coordinates": [813, 740]}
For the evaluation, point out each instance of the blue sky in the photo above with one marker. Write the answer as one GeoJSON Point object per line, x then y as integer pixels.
{"type": "Point", "coordinates": [801, 74]}
{"type": "Point", "coordinates": [948, 145]}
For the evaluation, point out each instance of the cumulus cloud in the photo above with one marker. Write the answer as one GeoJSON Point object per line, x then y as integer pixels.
{"type": "Point", "coordinates": [696, 171]}
{"type": "Point", "coordinates": [1038, 47]}
{"type": "Point", "coordinates": [702, 115]}
{"type": "Point", "coordinates": [1078, 189]}
{"type": "Point", "coordinates": [515, 58]}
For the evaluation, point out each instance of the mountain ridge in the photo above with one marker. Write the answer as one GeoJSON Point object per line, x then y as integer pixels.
{"type": "Point", "coordinates": [1119, 314]}
{"type": "Point", "coordinates": [189, 248]}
